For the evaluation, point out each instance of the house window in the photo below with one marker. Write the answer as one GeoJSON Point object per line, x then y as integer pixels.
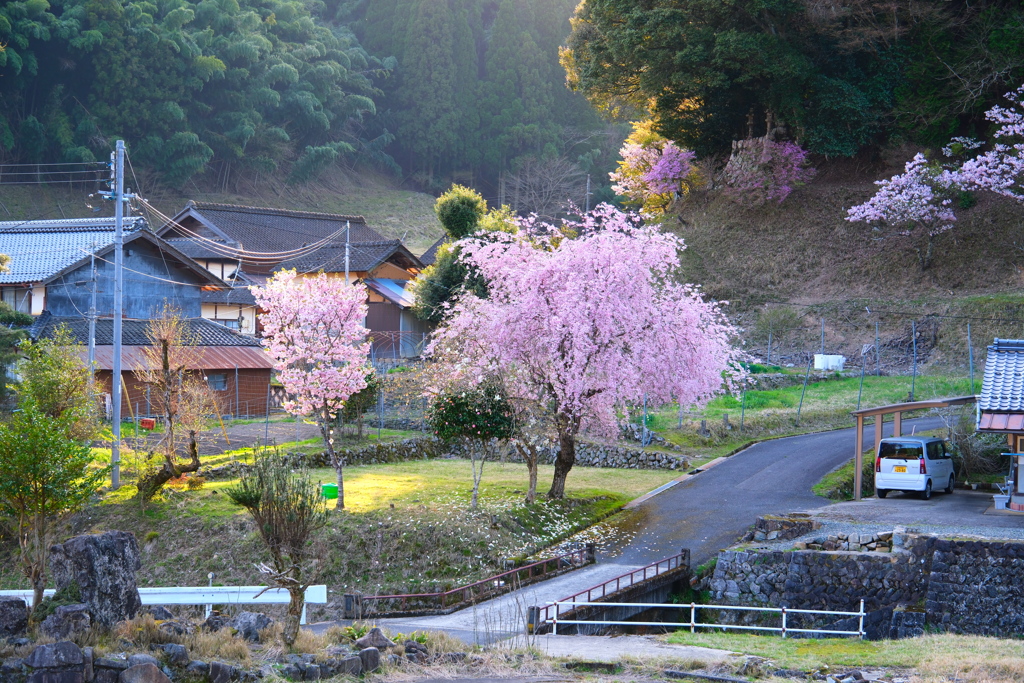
{"type": "Point", "coordinates": [217, 381]}
{"type": "Point", "coordinates": [18, 298]}
{"type": "Point", "coordinates": [230, 323]}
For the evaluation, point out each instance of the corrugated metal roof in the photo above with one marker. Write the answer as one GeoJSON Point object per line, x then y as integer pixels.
{"type": "Point", "coordinates": [1003, 387]}
{"type": "Point", "coordinates": [133, 332]}
{"type": "Point", "coordinates": [41, 249]}
{"type": "Point", "coordinates": [393, 290]}
{"type": "Point", "coordinates": [206, 358]}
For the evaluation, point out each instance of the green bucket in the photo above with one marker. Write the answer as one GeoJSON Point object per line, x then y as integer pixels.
{"type": "Point", "coordinates": [329, 491]}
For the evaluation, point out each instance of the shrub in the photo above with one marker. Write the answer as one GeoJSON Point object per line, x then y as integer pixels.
{"type": "Point", "coordinates": [763, 171]}
{"type": "Point", "coordinates": [196, 483]}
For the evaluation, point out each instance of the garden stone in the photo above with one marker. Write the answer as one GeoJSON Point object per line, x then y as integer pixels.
{"type": "Point", "coordinates": [13, 616]}
{"type": "Point", "coordinates": [140, 659]}
{"type": "Point", "coordinates": [19, 642]}
{"type": "Point", "coordinates": [249, 625]}
{"type": "Point", "coordinates": [292, 672]}
{"type": "Point", "coordinates": [352, 665]}
{"type": "Point", "coordinates": [311, 672]}
{"type": "Point", "coordinates": [143, 673]}
{"type": "Point", "coordinates": [55, 656]}
{"type": "Point", "coordinates": [375, 638]}
{"type": "Point", "coordinates": [176, 654]}
{"type": "Point", "coordinates": [87, 657]}
{"type": "Point", "coordinates": [160, 613]}
{"type": "Point", "coordinates": [413, 646]}
{"type": "Point", "coordinates": [370, 658]}
{"type": "Point", "coordinates": [176, 627]}
{"type": "Point", "coordinates": [221, 672]}
{"type": "Point", "coordinates": [103, 567]}
{"type": "Point", "coordinates": [66, 620]}
{"type": "Point", "coordinates": [56, 677]}
{"type": "Point", "coordinates": [197, 669]}
{"type": "Point", "coordinates": [215, 622]}
{"type": "Point", "coordinates": [11, 669]}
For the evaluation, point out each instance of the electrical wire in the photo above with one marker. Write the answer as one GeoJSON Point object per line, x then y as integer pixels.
{"type": "Point", "coordinates": [60, 163]}
{"type": "Point", "coordinates": [241, 253]}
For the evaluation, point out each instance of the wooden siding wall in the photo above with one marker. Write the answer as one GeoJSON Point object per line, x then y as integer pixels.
{"type": "Point", "coordinates": [249, 400]}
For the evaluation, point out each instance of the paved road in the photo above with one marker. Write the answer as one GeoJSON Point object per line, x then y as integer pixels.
{"type": "Point", "coordinates": [705, 513]}
{"type": "Point", "coordinates": [710, 511]}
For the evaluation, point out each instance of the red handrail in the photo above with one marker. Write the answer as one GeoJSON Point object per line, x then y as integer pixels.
{"type": "Point", "coordinates": [670, 563]}
{"type": "Point", "coordinates": [494, 583]}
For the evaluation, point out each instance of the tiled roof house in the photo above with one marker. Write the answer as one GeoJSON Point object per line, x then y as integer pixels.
{"type": "Point", "coordinates": [1001, 406]}
{"type": "Point", "coordinates": [221, 236]}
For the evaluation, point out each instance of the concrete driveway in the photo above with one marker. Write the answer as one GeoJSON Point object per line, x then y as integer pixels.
{"type": "Point", "coordinates": [959, 509]}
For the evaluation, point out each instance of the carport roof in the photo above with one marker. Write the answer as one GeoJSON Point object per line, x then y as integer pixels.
{"type": "Point", "coordinates": [915, 405]}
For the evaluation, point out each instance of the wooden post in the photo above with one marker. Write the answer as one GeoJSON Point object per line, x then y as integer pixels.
{"type": "Point", "coordinates": [858, 461]}
{"type": "Point", "coordinates": [878, 431]}
{"type": "Point", "coordinates": [897, 423]}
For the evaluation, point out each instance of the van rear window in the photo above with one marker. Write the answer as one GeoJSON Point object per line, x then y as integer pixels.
{"type": "Point", "coordinates": [910, 450]}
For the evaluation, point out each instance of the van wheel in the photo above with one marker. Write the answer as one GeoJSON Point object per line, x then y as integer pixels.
{"type": "Point", "coordinates": [882, 493]}
{"type": "Point", "coordinates": [952, 483]}
{"type": "Point", "coordinates": [927, 493]}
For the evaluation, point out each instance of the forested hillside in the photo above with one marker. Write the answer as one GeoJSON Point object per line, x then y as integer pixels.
{"type": "Point", "coordinates": [232, 90]}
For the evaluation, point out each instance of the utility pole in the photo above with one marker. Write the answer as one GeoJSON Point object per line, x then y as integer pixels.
{"type": "Point", "coordinates": [587, 202]}
{"type": "Point", "coordinates": [115, 449]}
{"type": "Point", "coordinates": [92, 322]}
{"type": "Point", "coordinates": [348, 233]}
{"type": "Point", "coordinates": [119, 196]}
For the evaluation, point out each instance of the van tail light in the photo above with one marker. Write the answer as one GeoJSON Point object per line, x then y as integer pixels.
{"type": "Point", "coordinates": [924, 470]}
{"type": "Point", "coordinates": [878, 464]}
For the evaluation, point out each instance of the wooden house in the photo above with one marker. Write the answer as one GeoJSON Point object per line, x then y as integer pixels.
{"type": "Point", "coordinates": [245, 245]}
{"type": "Point", "coordinates": [1001, 408]}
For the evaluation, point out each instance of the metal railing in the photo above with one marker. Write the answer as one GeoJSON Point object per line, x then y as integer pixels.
{"type": "Point", "coordinates": [693, 624]}
{"type": "Point", "coordinates": [618, 583]}
{"type": "Point", "coordinates": [486, 588]}
{"type": "Point", "coordinates": [206, 595]}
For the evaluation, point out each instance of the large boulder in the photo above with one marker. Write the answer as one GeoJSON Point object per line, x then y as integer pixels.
{"type": "Point", "coordinates": [13, 617]}
{"type": "Point", "coordinates": [249, 625]}
{"type": "Point", "coordinates": [66, 621]}
{"type": "Point", "coordinates": [375, 638]}
{"type": "Point", "coordinates": [143, 673]}
{"type": "Point", "coordinates": [103, 567]}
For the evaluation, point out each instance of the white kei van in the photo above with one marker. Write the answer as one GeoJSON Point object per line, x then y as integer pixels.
{"type": "Point", "coordinates": [913, 463]}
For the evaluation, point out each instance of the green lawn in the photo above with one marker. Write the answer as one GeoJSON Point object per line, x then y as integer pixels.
{"type": "Point", "coordinates": [934, 657]}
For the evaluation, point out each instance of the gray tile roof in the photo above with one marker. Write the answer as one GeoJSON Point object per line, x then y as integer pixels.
{"type": "Point", "coordinates": [1003, 387]}
{"type": "Point", "coordinates": [430, 255]}
{"type": "Point", "coordinates": [272, 230]}
{"type": "Point", "coordinates": [363, 256]}
{"type": "Point", "coordinates": [41, 249]}
{"type": "Point", "coordinates": [133, 332]}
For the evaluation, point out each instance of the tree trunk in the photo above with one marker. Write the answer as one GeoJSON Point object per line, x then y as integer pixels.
{"type": "Point", "coordinates": [335, 460]}
{"type": "Point", "coordinates": [478, 473]}
{"type": "Point", "coordinates": [148, 486]}
{"type": "Point", "coordinates": [566, 456]}
{"type": "Point", "coordinates": [924, 259]}
{"type": "Point", "coordinates": [296, 602]}
{"type": "Point", "coordinates": [530, 455]}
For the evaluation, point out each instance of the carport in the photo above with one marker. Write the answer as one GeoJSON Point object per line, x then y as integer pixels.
{"type": "Point", "coordinates": [897, 410]}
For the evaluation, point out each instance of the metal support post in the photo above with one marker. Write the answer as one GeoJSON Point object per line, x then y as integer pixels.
{"type": "Point", "coordinates": [913, 340]}
{"type": "Point", "coordinates": [970, 356]}
{"type": "Point", "coordinates": [878, 358]}
{"type": "Point", "coordinates": [803, 391]}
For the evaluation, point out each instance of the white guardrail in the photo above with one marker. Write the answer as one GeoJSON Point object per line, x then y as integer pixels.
{"type": "Point", "coordinates": [694, 624]}
{"type": "Point", "coordinates": [207, 595]}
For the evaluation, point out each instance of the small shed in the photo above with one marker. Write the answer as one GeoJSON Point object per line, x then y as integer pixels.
{"type": "Point", "coordinates": [1001, 408]}
{"type": "Point", "coordinates": [234, 365]}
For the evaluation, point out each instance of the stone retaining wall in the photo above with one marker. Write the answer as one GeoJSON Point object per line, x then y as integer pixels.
{"type": "Point", "coordinates": [425, 448]}
{"type": "Point", "coordinates": [962, 586]}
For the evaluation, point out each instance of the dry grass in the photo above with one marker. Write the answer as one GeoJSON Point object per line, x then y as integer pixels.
{"type": "Point", "coordinates": [222, 644]}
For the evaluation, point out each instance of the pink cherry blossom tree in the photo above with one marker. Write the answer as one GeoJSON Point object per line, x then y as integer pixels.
{"type": "Point", "coordinates": [917, 203]}
{"type": "Point", "coordinates": [764, 170]}
{"type": "Point", "coordinates": [1001, 169]}
{"type": "Point", "coordinates": [313, 330]}
{"type": "Point", "coordinates": [585, 317]}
